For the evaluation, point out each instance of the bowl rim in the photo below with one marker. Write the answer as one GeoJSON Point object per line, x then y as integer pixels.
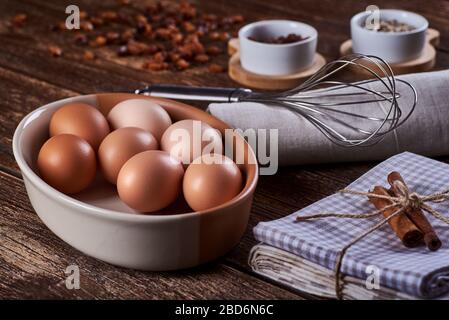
{"type": "Point", "coordinates": [66, 200]}
{"type": "Point", "coordinates": [356, 18]}
{"type": "Point", "coordinates": [249, 26]}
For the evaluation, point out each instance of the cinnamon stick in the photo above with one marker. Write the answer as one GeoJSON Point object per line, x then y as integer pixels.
{"type": "Point", "coordinates": [417, 216]}
{"type": "Point", "coordinates": [404, 228]}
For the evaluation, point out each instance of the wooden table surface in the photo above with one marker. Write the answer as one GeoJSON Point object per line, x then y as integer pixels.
{"type": "Point", "coordinates": [33, 259]}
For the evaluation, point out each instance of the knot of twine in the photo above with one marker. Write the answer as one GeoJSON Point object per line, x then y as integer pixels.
{"type": "Point", "coordinates": [403, 201]}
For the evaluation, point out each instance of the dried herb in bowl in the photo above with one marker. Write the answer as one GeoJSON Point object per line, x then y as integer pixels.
{"type": "Point", "coordinates": [390, 26]}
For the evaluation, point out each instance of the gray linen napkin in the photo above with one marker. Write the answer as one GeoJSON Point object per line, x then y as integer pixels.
{"type": "Point", "coordinates": [306, 276]}
{"type": "Point", "coordinates": [426, 132]}
{"type": "Point", "coordinates": [417, 272]}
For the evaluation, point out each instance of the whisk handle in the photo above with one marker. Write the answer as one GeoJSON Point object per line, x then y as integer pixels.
{"type": "Point", "coordinates": [194, 93]}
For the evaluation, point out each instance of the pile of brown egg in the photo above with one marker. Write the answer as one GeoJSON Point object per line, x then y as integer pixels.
{"type": "Point", "coordinates": [138, 148]}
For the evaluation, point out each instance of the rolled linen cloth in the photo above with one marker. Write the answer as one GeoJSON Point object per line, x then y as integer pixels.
{"type": "Point", "coordinates": [425, 132]}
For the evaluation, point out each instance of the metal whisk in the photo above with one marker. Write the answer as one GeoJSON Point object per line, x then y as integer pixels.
{"type": "Point", "coordinates": [348, 114]}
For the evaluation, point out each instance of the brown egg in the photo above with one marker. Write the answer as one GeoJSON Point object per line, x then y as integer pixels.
{"type": "Point", "coordinates": [82, 120]}
{"type": "Point", "coordinates": [67, 163]}
{"type": "Point", "coordinates": [140, 113]}
{"type": "Point", "coordinates": [150, 181]}
{"type": "Point", "coordinates": [210, 181]}
{"type": "Point", "coordinates": [119, 146]}
{"type": "Point", "coordinates": [188, 139]}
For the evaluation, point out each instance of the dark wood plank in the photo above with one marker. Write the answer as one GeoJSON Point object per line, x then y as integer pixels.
{"type": "Point", "coordinates": [123, 73]}
{"type": "Point", "coordinates": [272, 200]}
{"type": "Point", "coordinates": [85, 73]}
{"type": "Point", "coordinates": [332, 21]}
{"type": "Point", "coordinates": [21, 94]}
{"type": "Point", "coordinates": [33, 261]}
{"type": "Point", "coordinates": [290, 189]}
{"type": "Point", "coordinates": [24, 94]}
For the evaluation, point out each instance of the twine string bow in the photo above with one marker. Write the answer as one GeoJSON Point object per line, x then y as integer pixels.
{"type": "Point", "coordinates": [403, 201]}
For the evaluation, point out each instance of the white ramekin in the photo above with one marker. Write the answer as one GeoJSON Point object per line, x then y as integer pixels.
{"type": "Point", "coordinates": [101, 226]}
{"type": "Point", "coordinates": [394, 47]}
{"type": "Point", "coordinates": [277, 59]}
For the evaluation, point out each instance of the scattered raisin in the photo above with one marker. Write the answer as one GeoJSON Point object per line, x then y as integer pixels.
{"type": "Point", "coordinates": [153, 9]}
{"type": "Point", "coordinates": [155, 66]}
{"type": "Point", "coordinates": [213, 50]}
{"type": "Point", "coordinates": [188, 12]}
{"type": "Point", "coordinates": [112, 37]}
{"type": "Point", "coordinates": [162, 33]}
{"type": "Point", "coordinates": [140, 18]}
{"type": "Point", "coordinates": [210, 17]}
{"type": "Point", "coordinates": [160, 56]}
{"type": "Point", "coordinates": [86, 26]}
{"type": "Point", "coordinates": [89, 55]}
{"type": "Point", "coordinates": [110, 16]}
{"type": "Point", "coordinates": [101, 41]}
{"type": "Point", "coordinates": [150, 49]}
{"type": "Point", "coordinates": [202, 58]}
{"type": "Point", "coordinates": [215, 68]}
{"type": "Point", "coordinates": [189, 27]}
{"type": "Point", "coordinates": [83, 15]}
{"type": "Point", "coordinates": [97, 21]}
{"type": "Point", "coordinates": [214, 36]}
{"type": "Point", "coordinates": [58, 27]}
{"type": "Point", "coordinates": [19, 20]}
{"type": "Point", "coordinates": [225, 36]}
{"type": "Point", "coordinates": [237, 19]}
{"type": "Point", "coordinates": [174, 56]}
{"type": "Point", "coordinates": [55, 51]}
{"type": "Point", "coordinates": [136, 48]}
{"type": "Point", "coordinates": [81, 39]}
{"type": "Point", "coordinates": [127, 35]}
{"type": "Point", "coordinates": [181, 64]}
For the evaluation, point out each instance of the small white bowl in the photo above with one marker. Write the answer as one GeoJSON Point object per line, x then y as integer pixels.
{"type": "Point", "coordinates": [393, 47]}
{"type": "Point", "coordinates": [99, 224]}
{"type": "Point", "coordinates": [277, 59]}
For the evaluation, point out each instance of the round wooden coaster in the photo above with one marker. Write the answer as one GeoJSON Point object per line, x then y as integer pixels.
{"type": "Point", "coordinates": [423, 63]}
{"type": "Point", "coordinates": [259, 81]}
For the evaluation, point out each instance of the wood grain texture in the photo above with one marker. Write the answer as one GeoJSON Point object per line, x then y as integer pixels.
{"type": "Point", "coordinates": [32, 259]}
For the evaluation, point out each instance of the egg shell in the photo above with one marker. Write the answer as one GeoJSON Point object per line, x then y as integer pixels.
{"type": "Point", "coordinates": [81, 120]}
{"type": "Point", "coordinates": [119, 146]}
{"type": "Point", "coordinates": [210, 181]}
{"type": "Point", "coordinates": [67, 163]}
{"type": "Point", "coordinates": [150, 181]}
{"type": "Point", "coordinates": [189, 139]}
{"type": "Point", "coordinates": [142, 114]}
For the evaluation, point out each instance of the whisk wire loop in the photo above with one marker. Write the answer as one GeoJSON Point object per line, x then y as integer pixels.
{"type": "Point", "coordinates": [348, 114]}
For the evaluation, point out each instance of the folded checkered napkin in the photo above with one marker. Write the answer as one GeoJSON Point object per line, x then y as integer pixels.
{"type": "Point", "coordinates": [416, 271]}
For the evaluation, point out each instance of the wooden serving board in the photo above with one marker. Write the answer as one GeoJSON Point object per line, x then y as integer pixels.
{"type": "Point", "coordinates": [266, 82]}
{"type": "Point", "coordinates": [424, 63]}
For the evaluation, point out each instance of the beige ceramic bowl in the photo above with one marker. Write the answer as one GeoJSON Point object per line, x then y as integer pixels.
{"type": "Point", "coordinates": [97, 223]}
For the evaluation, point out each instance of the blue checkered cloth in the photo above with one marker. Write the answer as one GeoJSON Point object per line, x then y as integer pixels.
{"type": "Point", "coordinates": [418, 271]}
